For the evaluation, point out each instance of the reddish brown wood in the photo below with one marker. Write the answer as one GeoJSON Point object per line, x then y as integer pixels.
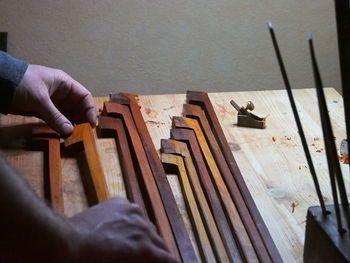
{"type": "Point", "coordinates": [204, 245]}
{"type": "Point", "coordinates": [50, 142]}
{"type": "Point", "coordinates": [195, 112]}
{"type": "Point", "coordinates": [161, 220]}
{"type": "Point", "coordinates": [246, 247]}
{"type": "Point", "coordinates": [188, 136]}
{"type": "Point", "coordinates": [83, 137]}
{"type": "Point", "coordinates": [113, 127]}
{"type": "Point", "coordinates": [173, 213]}
{"type": "Point", "coordinates": [202, 99]}
{"type": "Point", "coordinates": [180, 148]}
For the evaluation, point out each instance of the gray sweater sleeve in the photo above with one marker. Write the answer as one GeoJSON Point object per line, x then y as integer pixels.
{"type": "Point", "coordinates": [11, 73]}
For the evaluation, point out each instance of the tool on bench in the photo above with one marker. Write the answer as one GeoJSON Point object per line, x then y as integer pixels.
{"type": "Point", "coordinates": [246, 118]}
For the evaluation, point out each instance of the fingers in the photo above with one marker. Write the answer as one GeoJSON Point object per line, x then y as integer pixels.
{"type": "Point", "coordinates": [161, 256]}
{"type": "Point", "coordinates": [54, 118]}
{"type": "Point", "coordinates": [75, 99]}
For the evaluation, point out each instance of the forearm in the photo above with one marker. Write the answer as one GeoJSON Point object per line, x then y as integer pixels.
{"type": "Point", "coordinates": [11, 73]}
{"type": "Point", "coordinates": [29, 230]}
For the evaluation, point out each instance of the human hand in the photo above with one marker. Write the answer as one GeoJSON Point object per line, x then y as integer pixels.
{"type": "Point", "coordinates": [116, 231]}
{"type": "Point", "coordinates": [55, 97]}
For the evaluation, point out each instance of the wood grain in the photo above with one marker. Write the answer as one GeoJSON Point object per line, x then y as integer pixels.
{"type": "Point", "coordinates": [182, 239]}
{"type": "Point", "coordinates": [188, 136]}
{"type": "Point", "coordinates": [179, 148]}
{"type": "Point", "coordinates": [83, 134]}
{"type": "Point", "coordinates": [160, 218]}
{"type": "Point", "coordinates": [195, 112]}
{"type": "Point", "coordinates": [205, 246]}
{"type": "Point", "coordinates": [49, 141]}
{"type": "Point", "coordinates": [114, 127]}
{"type": "Point", "coordinates": [202, 99]}
{"type": "Point", "coordinates": [237, 226]}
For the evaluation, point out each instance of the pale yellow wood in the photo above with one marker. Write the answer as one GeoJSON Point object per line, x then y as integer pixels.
{"type": "Point", "coordinates": [206, 249]}
{"type": "Point", "coordinates": [274, 172]}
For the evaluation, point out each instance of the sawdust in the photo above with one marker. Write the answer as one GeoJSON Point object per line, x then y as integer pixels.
{"type": "Point", "coordinates": [151, 113]}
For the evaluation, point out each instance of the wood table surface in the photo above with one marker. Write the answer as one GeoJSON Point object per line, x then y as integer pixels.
{"type": "Point", "coordinates": [271, 160]}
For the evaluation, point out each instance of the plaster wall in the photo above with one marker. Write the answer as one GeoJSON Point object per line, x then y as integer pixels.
{"type": "Point", "coordinates": [168, 46]}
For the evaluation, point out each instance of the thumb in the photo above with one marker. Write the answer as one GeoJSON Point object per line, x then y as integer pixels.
{"type": "Point", "coordinates": [54, 118]}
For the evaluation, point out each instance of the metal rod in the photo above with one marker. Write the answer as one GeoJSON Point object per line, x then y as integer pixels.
{"type": "Point", "coordinates": [297, 119]}
{"type": "Point", "coordinates": [332, 157]}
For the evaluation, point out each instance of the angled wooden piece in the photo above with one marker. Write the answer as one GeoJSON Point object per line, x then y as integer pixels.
{"type": "Point", "coordinates": [202, 99]}
{"type": "Point", "coordinates": [196, 219]}
{"type": "Point", "coordinates": [83, 138]}
{"type": "Point", "coordinates": [241, 235]}
{"type": "Point", "coordinates": [49, 140]}
{"type": "Point", "coordinates": [158, 210]}
{"type": "Point", "coordinates": [195, 112]}
{"type": "Point", "coordinates": [188, 136]}
{"type": "Point", "coordinates": [179, 148]}
{"type": "Point", "coordinates": [173, 213]}
{"type": "Point", "coordinates": [113, 127]}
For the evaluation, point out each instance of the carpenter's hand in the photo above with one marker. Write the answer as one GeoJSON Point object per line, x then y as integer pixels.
{"type": "Point", "coordinates": [54, 96]}
{"type": "Point", "coordinates": [116, 231]}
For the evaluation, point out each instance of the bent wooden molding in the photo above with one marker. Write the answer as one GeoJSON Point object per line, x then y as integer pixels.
{"type": "Point", "coordinates": [49, 141]}
{"type": "Point", "coordinates": [195, 112]}
{"type": "Point", "coordinates": [113, 127]}
{"type": "Point", "coordinates": [83, 137]}
{"type": "Point", "coordinates": [188, 136]}
{"type": "Point", "coordinates": [202, 99]}
{"type": "Point", "coordinates": [241, 235]}
{"type": "Point", "coordinates": [196, 219]}
{"type": "Point", "coordinates": [179, 148]}
{"type": "Point", "coordinates": [182, 239]}
{"type": "Point", "coordinates": [160, 217]}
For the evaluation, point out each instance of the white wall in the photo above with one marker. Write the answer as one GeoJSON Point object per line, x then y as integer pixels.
{"type": "Point", "coordinates": [170, 46]}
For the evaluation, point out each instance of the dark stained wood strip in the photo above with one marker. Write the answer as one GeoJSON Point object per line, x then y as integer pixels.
{"type": "Point", "coordinates": [240, 233]}
{"type": "Point", "coordinates": [158, 209]}
{"type": "Point", "coordinates": [180, 148]}
{"type": "Point", "coordinates": [84, 136]}
{"type": "Point", "coordinates": [183, 241]}
{"type": "Point", "coordinates": [195, 112]}
{"type": "Point", "coordinates": [202, 99]}
{"type": "Point", "coordinates": [113, 127]}
{"type": "Point", "coordinates": [49, 140]}
{"type": "Point", "coordinates": [203, 242]}
{"type": "Point", "coordinates": [3, 41]}
{"type": "Point", "coordinates": [188, 136]}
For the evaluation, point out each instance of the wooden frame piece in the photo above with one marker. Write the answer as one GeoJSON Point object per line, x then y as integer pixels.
{"type": "Point", "coordinates": [241, 235]}
{"type": "Point", "coordinates": [196, 219]}
{"type": "Point", "coordinates": [49, 140]}
{"type": "Point", "coordinates": [83, 138]}
{"type": "Point", "coordinates": [179, 148]}
{"type": "Point", "coordinates": [120, 111]}
{"type": "Point", "coordinates": [113, 127]}
{"type": "Point", "coordinates": [183, 241]}
{"type": "Point", "coordinates": [195, 112]}
{"type": "Point", "coordinates": [188, 136]}
{"type": "Point", "coordinates": [202, 99]}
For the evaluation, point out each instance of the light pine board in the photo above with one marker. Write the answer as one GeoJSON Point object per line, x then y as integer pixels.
{"type": "Point", "coordinates": [271, 160]}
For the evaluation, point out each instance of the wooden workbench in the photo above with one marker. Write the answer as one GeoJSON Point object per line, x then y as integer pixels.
{"type": "Point", "coordinates": [271, 160]}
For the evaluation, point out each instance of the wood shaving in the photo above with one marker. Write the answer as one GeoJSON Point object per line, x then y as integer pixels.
{"type": "Point", "coordinates": [273, 139]}
{"type": "Point", "coordinates": [344, 158]}
{"type": "Point", "coordinates": [293, 205]}
{"type": "Point", "coordinates": [316, 138]}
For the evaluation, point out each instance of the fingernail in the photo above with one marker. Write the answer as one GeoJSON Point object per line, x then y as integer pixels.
{"type": "Point", "coordinates": [67, 128]}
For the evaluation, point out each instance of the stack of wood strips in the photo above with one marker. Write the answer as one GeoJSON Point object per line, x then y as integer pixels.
{"type": "Point", "coordinates": [224, 218]}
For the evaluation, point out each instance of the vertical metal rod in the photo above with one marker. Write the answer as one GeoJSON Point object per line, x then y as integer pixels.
{"type": "Point", "coordinates": [297, 119]}
{"type": "Point", "coordinates": [332, 157]}
{"type": "Point", "coordinates": [342, 14]}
